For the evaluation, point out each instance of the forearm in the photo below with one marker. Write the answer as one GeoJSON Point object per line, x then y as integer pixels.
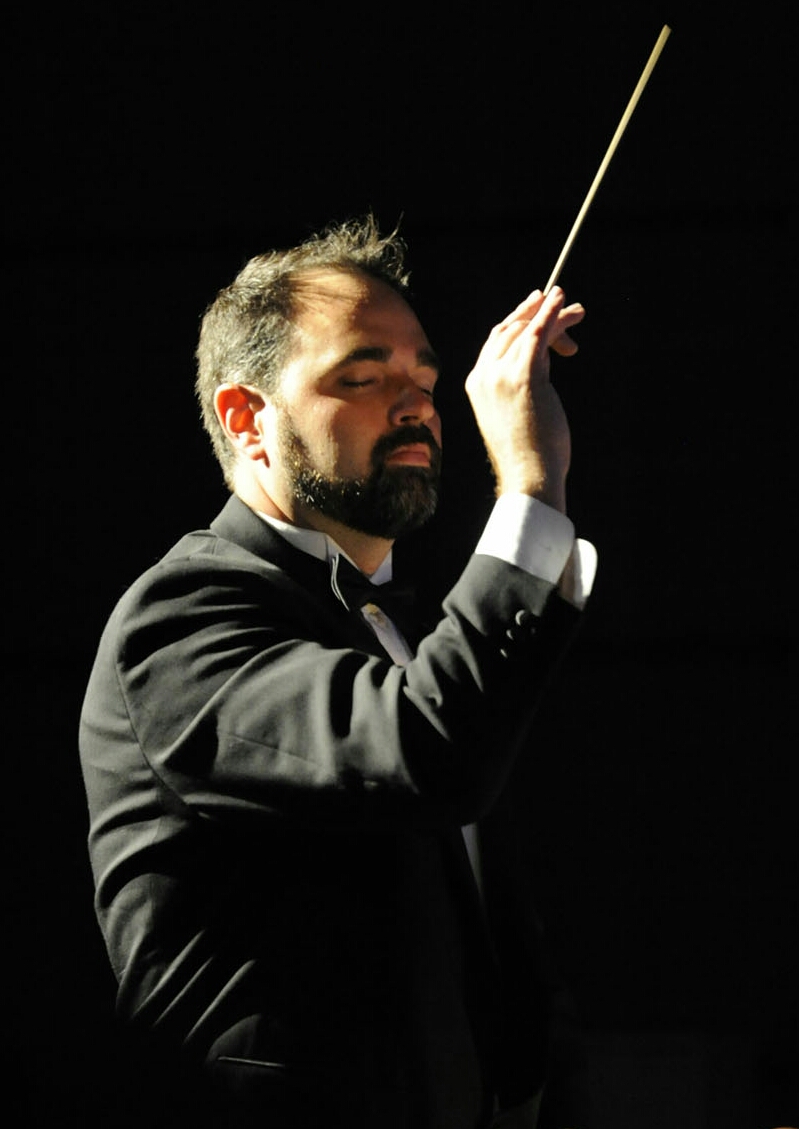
{"type": "Point", "coordinates": [239, 722]}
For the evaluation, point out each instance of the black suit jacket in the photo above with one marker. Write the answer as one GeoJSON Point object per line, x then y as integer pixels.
{"type": "Point", "coordinates": [275, 835]}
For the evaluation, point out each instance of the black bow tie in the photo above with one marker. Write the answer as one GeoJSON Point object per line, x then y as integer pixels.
{"type": "Point", "coordinates": [354, 589]}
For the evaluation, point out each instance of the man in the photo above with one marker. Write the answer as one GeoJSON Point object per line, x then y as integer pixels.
{"type": "Point", "coordinates": [301, 846]}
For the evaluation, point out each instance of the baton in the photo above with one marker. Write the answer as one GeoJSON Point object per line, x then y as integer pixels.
{"type": "Point", "coordinates": [628, 113]}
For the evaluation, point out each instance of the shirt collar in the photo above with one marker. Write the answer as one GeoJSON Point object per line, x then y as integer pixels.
{"type": "Point", "coordinates": [323, 547]}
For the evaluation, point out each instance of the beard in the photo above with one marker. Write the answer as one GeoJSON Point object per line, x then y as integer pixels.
{"type": "Point", "coordinates": [389, 501]}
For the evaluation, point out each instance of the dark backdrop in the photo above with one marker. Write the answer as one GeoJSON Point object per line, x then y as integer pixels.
{"type": "Point", "coordinates": [149, 155]}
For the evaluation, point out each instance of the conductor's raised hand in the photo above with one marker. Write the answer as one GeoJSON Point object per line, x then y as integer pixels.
{"type": "Point", "coordinates": [518, 411]}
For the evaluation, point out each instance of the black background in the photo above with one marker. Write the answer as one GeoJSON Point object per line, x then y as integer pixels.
{"type": "Point", "coordinates": [151, 152]}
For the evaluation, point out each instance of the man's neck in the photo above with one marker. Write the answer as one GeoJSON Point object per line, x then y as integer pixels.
{"type": "Point", "coordinates": [367, 552]}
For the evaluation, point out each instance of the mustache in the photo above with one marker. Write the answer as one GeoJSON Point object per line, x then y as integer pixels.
{"type": "Point", "coordinates": [402, 436]}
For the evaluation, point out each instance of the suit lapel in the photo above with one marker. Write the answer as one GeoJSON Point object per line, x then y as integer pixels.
{"type": "Point", "coordinates": [306, 575]}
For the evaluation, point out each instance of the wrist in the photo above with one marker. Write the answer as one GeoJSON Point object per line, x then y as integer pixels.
{"type": "Point", "coordinates": [535, 482]}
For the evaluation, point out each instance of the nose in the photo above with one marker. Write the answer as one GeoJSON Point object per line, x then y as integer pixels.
{"type": "Point", "coordinates": [412, 403]}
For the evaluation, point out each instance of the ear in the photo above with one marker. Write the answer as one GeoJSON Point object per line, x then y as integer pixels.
{"type": "Point", "coordinates": [237, 408]}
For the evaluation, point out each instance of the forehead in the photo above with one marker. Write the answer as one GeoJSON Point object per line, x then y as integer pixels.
{"type": "Point", "coordinates": [338, 310]}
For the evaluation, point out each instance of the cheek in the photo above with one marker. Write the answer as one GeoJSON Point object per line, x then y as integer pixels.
{"type": "Point", "coordinates": [321, 430]}
{"type": "Point", "coordinates": [347, 445]}
{"type": "Point", "coordinates": [318, 434]}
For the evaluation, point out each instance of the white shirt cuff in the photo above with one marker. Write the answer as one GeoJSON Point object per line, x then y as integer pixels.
{"type": "Point", "coordinates": [578, 576]}
{"type": "Point", "coordinates": [539, 539]}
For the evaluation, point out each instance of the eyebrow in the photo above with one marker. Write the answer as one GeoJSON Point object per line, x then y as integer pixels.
{"type": "Point", "coordinates": [425, 357]}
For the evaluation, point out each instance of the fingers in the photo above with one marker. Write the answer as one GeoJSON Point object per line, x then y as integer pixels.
{"type": "Point", "coordinates": [546, 333]}
{"type": "Point", "coordinates": [561, 343]}
{"type": "Point", "coordinates": [539, 323]}
{"type": "Point", "coordinates": [543, 314]}
{"type": "Point", "coordinates": [564, 346]}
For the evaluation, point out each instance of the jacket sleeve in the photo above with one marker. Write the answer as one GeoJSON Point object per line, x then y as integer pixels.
{"type": "Point", "coordinates": [217, 692]}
